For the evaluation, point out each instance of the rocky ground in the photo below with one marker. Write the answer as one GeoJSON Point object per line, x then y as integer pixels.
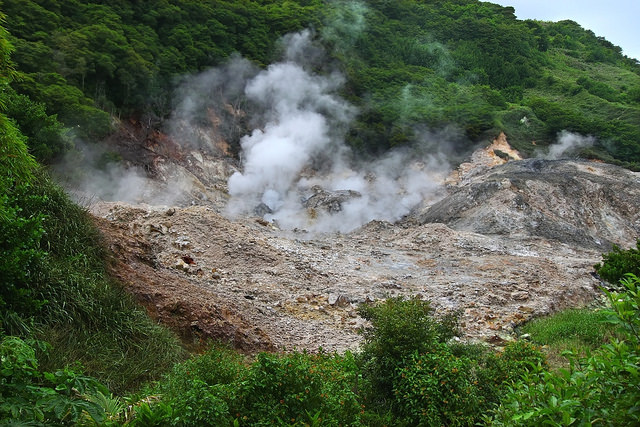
{"type": "Point", "coordinates": [509, 241]}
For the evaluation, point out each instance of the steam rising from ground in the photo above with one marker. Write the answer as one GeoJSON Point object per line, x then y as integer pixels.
{"type": "Point", "coordinates": [568, 143]}
{"type": "Point", "coordinates": [90, 172]}
{"type": "Point", "coordinates": [300, 153]}
{"type": "Point", "coordinates": [296, 168]}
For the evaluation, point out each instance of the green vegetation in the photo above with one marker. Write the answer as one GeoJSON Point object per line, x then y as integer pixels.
{"type": "Point", "coordinates": [601, 388]}
{"type": "Point", "coordinates": [427, 381]}
{"type": "Point", "coordinates": [409, 64]}
{"type": "Point", "coordinates": [70, 336]}
{"type": "Point", "coordinates": [600, 384]}
{"type": "Point", "coordinates": [413, 374]}
{"type": "Point", "coordinates": [619, 262]}
{"type": "Point", "coordinates": [577, 330]}
{"type": "Point", "coordinates": [54, 287]}
{"type": "Point", "coordinates": [63, 397]}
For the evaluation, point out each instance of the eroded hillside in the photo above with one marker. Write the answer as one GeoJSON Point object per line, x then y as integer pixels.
{"type": "Point", "coordinates": [505, 242]}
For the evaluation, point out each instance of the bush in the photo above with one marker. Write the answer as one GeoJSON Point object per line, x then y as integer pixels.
{"type": "Point", "coordinates": [411, 368]}
{"type": "Point", "coordinates": [603, 388]}
{"type": "Point", "coordinates": [437, 388]}
{"type": "Point", "coordinates": [218, 365]}
{"type": "Point", "coordinates": [398, 329]}
{"type": "Point", "coordinates": [33, 398]}
{"type": "Point", "coordinates": [216, 388]}
{"type": "Point", "coordinates": [447, 386]}
{"type": "Point", "coordinates": [619, 262]}
{"type": "Point", "coordinates": [300, 388]}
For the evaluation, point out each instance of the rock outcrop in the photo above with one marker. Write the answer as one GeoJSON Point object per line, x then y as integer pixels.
{"type": "Point", "coordinates": [584, 204]}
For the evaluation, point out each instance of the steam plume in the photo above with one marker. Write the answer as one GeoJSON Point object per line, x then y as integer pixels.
{"type": "Point", "coordinates": [567, 144]}
{"type": "Point", "coordinates": [300, 153]}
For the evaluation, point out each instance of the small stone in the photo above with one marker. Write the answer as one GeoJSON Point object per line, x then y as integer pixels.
{"type": "Point", "coordinates": [181, 265]}
{"type": "Point", "coordinates": [337, 300]}
{"type": "Point", "coordinates": [156, 229]}
{"type": "Point", "coordinates": [182, 242]}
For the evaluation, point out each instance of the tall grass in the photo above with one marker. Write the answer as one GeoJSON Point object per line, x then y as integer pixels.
{"type": "Point", "coordinates": [88, 316]}
{"type": "Point", "coordinates": [576, 330]}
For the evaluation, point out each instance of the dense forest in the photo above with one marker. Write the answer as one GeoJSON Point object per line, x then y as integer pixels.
{"type": "Point", "coordinates": [410, 65]}
{"type": "Point", "coordinates": [77, 350]}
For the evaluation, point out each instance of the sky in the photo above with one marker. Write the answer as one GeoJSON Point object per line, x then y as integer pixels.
{"type": "Point", "coordinates": [615, 20]}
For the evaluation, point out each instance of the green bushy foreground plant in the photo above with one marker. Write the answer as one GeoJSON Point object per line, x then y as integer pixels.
{"type": "Point", "coordinates": [218, 389]}
{"type": "Point", "coordinates": [416, 375]}
{"type": "Point", "coordinates": [32, 397]}
{"type": "Point", "coordinates": [428, 380]}
{"type": "Point", "coordinates": [598, 389]}
{"type": "Point", "coordinates": [619, 262]}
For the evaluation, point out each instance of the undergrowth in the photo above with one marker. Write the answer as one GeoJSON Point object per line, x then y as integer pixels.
{"type": "Point", "coordinates": [599, 388]}
{"type": "Point", "coordinates": [577, 330]}
{"type": "Point", "coordinates": [88, 316]}
{"type": "Point", "coordinates": [54, 286]}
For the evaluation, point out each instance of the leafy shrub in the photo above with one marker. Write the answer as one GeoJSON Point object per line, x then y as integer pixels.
{"type": "Point", "coordinates": [495, 371]}
{"type": "Point", "coordinates": [603, 388]}
{"type": "Point", "coordinates": [619, 262]}
{"type": "Point", "coordinates": [298, 388]}
{"type": "Point", "coordinates": [447, 386]}
{"type": "Point", "coordinates": [217, 388]}
{"type": "Point", "coordinates": [437, 388]}
{"type": "Point", "coordinates": [196, 391]}
{"type": "Point", "coordinates": [399, 328]}
{"type": "Point", "coordinates": [410, 367]}
{"type": "Point", "coordinates": [29, 396]}
{"type": "Point", "coordinates": [156, 414]}
{"type": "Point", "coordinates": [203, 404]}
{"type": "Point", "coordinates": [218, 365]}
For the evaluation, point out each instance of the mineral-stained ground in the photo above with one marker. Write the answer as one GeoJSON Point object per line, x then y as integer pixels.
{"type": "Point", "coordinates": [506, 242]}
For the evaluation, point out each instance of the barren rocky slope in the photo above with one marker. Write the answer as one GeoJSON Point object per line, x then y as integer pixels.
{"type": "Point", "coordinates": [583, 204]}
{"type": "Point", "coordinates": [507, 243]}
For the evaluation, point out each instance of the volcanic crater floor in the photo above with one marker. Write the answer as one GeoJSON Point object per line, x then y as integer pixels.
{"type": "Point", "coordinates": [261, 288]}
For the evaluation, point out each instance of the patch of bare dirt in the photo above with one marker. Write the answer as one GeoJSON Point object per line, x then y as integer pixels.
{"type": "Point", "coordinates": [512, 240]}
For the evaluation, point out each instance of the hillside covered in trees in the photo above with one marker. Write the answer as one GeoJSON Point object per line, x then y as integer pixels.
{"type": "Point", "coordinates": [410, 65]}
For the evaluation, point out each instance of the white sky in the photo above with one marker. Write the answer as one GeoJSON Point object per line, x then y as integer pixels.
{"type": "Point", "coordinates": [616, 20]}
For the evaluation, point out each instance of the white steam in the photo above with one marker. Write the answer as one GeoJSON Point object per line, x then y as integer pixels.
{"type": "Point", "coordinates": [302, 117]}
{"type": "Point", "coordinates": [295, 167]}
{"type": "Point", "coordinates": [90, 173]}
{"type": "Point", "coordinates": [214, 98]}
{"type": "Point", "coordinates": [567, 144]}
